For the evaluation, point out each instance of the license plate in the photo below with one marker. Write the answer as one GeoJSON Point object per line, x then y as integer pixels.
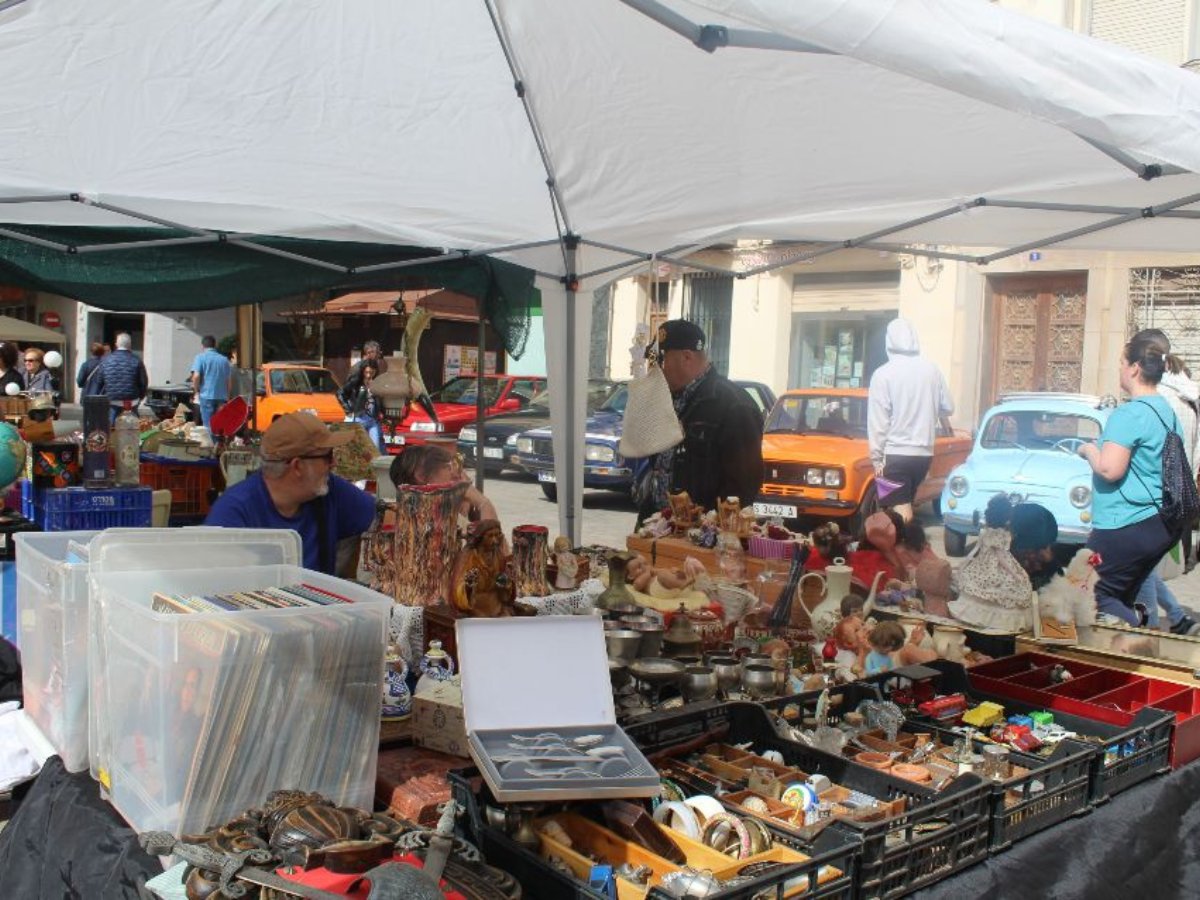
{"type": "Point", "coordinates": [773, 510]}
{"type": "Point", "coordinates": [424, 426]}
{"type": "Point", "coordinates": [546, 476]}
{"type": "Point", "coordinates": [493, 452]}
{"type": "Point", "coordinates": [397, 439]}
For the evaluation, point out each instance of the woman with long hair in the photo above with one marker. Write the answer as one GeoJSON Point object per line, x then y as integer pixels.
{"type": "Point", "coordinates": [361, 403]}
{"type": "Point", "coordinates": [431, 464]}
{"type": "Point", "coordinates": [1128, 533]}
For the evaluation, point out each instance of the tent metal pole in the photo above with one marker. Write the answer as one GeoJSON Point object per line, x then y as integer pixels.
{"type": "Point", "coordinates": [138, 245]}
{"type": "Point", "coordinates": [284, 254]}
{"type": "Point", "coordinates": [399, 264]}
{"type": "Point", "coordinates": [1149, 212]}
{"type": "Point", "coordinates": [480, 404]}
{"type": "Point", "coordinates": [37, 242]}
{"type": "Point", "coordinates": [145, 217]}
{"type": "Point", "coordinates": [636, 254]}
{"type": "Point", "coordinates": [511, 248]}
{"type": "Point", "coordinates": [711, 37]}
{"type": "Point", "coordinates": [921, 251]}
{"type": "Point", "coordinates": [567, 490]}
{"type": "Point", "coordinates": [615, 267]}
{"type": "Point", "coordinates": [44, 198]}
{"type": "Point", "coordinates": [8, 4]}
{"type": "Point", "coordinates": [1145, 171]}
{"type": "Point", "coordinates": [535, 129]}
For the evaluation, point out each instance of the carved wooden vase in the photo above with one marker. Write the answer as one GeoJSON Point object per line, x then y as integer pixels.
{"type": "Point", "coordinates": [425, 542]}
{"type": "Point", "coordinates": [530, 546]}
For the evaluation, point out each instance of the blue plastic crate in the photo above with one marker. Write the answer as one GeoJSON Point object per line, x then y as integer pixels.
{"type": "Point", "coordinates": [81, 509]}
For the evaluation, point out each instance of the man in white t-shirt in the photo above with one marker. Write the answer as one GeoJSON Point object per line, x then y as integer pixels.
{"type": "Point", "coordinates": [907, 401]}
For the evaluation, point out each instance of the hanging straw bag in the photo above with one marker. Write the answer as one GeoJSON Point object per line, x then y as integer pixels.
{"type": "Point", "coordinates": [650, 425]}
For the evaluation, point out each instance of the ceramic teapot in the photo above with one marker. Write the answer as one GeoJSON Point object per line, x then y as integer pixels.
{"type": "Point", "coordinates": [835, 584]}
{"type": "Point", "coordinates": [397, 699]}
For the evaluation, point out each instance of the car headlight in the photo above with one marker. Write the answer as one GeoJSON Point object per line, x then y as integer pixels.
{"type": "Point", "coordinates": [959, 486]}
{"type": "Point", "coordinates": [599, 453]}
{"type": "Point", "coordinates": [814, 477]}
{"type": "Point", "coordinates": [525, 445]}
{"type": "Point", "coordinates": [833, 478]}
{"type": "Point", "coordinates": [467, 434]}
{"type": "Point", "coordinates": [512, 440]}
{"type": "Point", "coordinates": [1080, 496]}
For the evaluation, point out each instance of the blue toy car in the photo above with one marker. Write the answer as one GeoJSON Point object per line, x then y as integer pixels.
{"type": "Point", "coordinates": [1026, 448]}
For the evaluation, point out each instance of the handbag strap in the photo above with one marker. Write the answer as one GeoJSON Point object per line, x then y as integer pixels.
{"type": "Point", "coordinates": [1146, 487]}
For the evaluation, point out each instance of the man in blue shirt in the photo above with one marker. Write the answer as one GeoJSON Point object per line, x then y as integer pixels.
{"type": "Point", "coordinates": [211, 377]}
{"type": "Point", "coordinates": [295, 489]}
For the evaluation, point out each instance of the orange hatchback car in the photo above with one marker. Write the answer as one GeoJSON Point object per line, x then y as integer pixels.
{"type": "Point", "coordinates": [816, 462]}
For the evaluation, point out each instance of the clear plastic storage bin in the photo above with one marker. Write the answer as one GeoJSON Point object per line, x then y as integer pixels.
{"type": "Point", "coordinates": [200, 715]}
{"type": "Point", "coordinates": [52, 621]}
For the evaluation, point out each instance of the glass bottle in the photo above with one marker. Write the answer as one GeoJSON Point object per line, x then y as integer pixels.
{"type": "Point", "coordinates": [127, 447]}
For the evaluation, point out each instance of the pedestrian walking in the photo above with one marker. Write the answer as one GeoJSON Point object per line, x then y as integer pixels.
{"type": "Point", "coordinates": [212, 378]}
{"type": "Point", "coordinates": [908, 399]}
{"type": "Point", "coordinates": [121, 376]}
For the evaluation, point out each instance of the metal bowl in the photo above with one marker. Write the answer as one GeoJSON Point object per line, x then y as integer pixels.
{"type": "Point", "coordinates": [623, 644]}
{"type": "Point", "coordinates": [657, 670]}
{"type": "Point", "coordinates": [699, 683]}
{"type": "Point", "coordinates": [638, 621]}
{"type": "Point", "coordinates": [727, 670]}
{"type": "Point", "coordinates": [759, 681]}
{"type": "Point", "coordinates": [755, 659]}
{"type": "Point", "coordinates": [652, 638]}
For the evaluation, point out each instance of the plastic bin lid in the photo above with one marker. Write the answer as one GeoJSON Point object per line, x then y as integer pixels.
{"type": "Point", "coordinates": [138, 549]}
{"type": "Point", "coordinates": [540, 672]}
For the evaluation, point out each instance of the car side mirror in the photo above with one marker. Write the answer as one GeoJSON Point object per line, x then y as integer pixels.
{"type": "Point", "coordinates": [510, 404]}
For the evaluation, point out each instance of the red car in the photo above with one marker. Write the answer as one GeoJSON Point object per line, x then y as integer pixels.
{"type": "Point", "coordinates": [455, 405]}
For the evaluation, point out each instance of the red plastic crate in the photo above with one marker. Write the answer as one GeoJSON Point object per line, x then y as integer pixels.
{"type": "Point", "coordinates": [189, 483]}
{"type": "Point", "coordinates": [1105, 695]}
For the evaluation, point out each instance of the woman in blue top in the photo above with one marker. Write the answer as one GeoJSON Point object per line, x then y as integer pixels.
{"type": "Point", "coordinates": [1127, 531]}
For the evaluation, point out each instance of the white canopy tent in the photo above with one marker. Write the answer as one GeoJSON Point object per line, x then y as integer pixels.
{"type": "Point", "coordinates": [584, 138]}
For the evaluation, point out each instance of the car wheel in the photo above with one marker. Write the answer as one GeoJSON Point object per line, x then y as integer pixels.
{"type": "Point", "coordinates": [550, 491]}
{"type": "Point", "coordinates": [955, 542]}
{"type": "Point", "coordinates": [869, 505]}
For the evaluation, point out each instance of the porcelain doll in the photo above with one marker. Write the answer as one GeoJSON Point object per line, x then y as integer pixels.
{"type": "Point", "coordinates": [567, 562]}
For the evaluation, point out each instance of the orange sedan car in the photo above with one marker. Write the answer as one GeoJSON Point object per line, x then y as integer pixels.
{"type": "Point", "coordinates": [816, 462]}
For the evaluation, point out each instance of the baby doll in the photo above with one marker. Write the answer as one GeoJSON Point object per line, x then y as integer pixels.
{"type": "Point", "coordinates": [930, 573]}
{"type": "Point", "coordinates": [885, 640]}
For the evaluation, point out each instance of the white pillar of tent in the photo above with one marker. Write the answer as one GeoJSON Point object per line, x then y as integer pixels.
{"type": "Point", "coordinates": [567, 319]}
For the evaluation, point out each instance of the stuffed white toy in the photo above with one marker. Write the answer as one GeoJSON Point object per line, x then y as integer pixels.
{"type": "Point", "coordinates": [1070, 597]}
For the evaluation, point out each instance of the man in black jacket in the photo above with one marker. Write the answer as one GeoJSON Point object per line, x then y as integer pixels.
{"type": "Point", "coordinates": [721, 453]}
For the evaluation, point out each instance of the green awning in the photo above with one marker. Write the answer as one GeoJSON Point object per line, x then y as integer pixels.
{"type": "Point", "coordinates": [218, 274]}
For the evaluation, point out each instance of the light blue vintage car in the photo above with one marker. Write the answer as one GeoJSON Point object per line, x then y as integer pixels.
{"type": "Point", "coordinates": [1026, 448]}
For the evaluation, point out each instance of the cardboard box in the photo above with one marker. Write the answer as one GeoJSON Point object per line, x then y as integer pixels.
{"type": "Point", "coordinates": [437, 718]}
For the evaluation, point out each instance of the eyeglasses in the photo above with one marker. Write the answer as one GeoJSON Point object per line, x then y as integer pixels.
{"type": "Point", "coordinates": [327, 456]}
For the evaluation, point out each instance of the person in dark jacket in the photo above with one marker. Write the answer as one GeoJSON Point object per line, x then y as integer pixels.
{"type": "Point", "coordinates": [121, 376]}
{"type": "Point", "coordinates": [10, 370]}
{"type": "Point", "coordinates": [721, 453]}
{"type": "Point", "coordinates": [90, 365]}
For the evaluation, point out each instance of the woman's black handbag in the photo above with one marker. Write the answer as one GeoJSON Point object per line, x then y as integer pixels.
{"type": "Point", "coordinates": [1180, 499]}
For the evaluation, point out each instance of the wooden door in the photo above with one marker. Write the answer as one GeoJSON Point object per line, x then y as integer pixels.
{"type": "Point", "coordinates": [1037, 339]}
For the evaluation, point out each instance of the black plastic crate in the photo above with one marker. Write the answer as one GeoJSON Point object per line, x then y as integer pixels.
{"type": "Point", "coordinates": [940, 833]}
{"type": "Point", "coordinates": [1123, 755]}
{"type": "Point", "coordinates": [843, 698]}
{"type": "Point", "coordinates": [1056, 788]}
{"type": "Point", "coordinates": [832, 848]}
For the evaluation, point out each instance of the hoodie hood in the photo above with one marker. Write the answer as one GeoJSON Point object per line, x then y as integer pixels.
{"type": "Point", "coordinates": [902, 339]}
{"type": "Point", "coordinates": [1179, 383]}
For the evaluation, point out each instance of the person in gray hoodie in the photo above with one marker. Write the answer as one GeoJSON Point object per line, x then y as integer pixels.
{"type": "Point", "coordinates": [907, 400]}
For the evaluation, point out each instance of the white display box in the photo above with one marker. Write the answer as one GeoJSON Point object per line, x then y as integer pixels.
{"type": "Point", "coordinates": [528, 677]}
{"type": "Point", "coordinates": [52, 622]}
{"type": "Point", "coordinates": [201, 715]}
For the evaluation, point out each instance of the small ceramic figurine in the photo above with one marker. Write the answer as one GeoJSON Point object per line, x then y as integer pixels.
{"type": "Point", "coordinates": [437, 663]}
{"type": "Point", "coordinates": [567, 562]}
{"type": "Point", "coordinates": [729, 512]}
{"type": "Point", "coordinates": [397, 699]}
{"type": "Point", "coordinates": [482, 585]}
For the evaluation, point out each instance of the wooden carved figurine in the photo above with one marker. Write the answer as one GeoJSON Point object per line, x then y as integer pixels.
{"type": "Point", "coordinates": [729, 514]}
{"type": "Point", "coordinates": [684, 513]}
{"type": "Point", "coordinates": [482, 584]}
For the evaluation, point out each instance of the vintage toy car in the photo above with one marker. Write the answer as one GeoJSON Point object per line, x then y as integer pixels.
{"type": "Point", "coordinates": [1026, 448]}
{"type": "Point", "coordinates": [816, 461]}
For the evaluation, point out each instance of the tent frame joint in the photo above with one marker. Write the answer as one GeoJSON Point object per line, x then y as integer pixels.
{"type": "Point", "coordinates": [712, 38]}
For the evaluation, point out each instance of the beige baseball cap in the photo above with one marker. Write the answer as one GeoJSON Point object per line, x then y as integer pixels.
{"type": "Point", "coordinates": [301, 434]}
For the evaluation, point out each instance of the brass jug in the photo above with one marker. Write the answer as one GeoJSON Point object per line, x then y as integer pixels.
{"type": "Point", "coordinates": [681, 638]}
{"type": "Point", "coordinates": [617, 598]}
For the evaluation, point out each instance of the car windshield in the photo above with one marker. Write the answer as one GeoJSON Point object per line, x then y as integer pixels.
{"type": "Point", "coordinates": [462, 390]}
{"type": "Point", "coordinates": [302, 381]}
{"type": "Point", "coordinates": [615, 401]}
{"type": "Point", "coordinates": [819, 414]}
{"type": "Point", "coordinates": [1028, 429]}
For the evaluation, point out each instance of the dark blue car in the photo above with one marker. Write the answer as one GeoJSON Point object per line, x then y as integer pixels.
{"type": "Point", "coordinates": [604, 467]}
